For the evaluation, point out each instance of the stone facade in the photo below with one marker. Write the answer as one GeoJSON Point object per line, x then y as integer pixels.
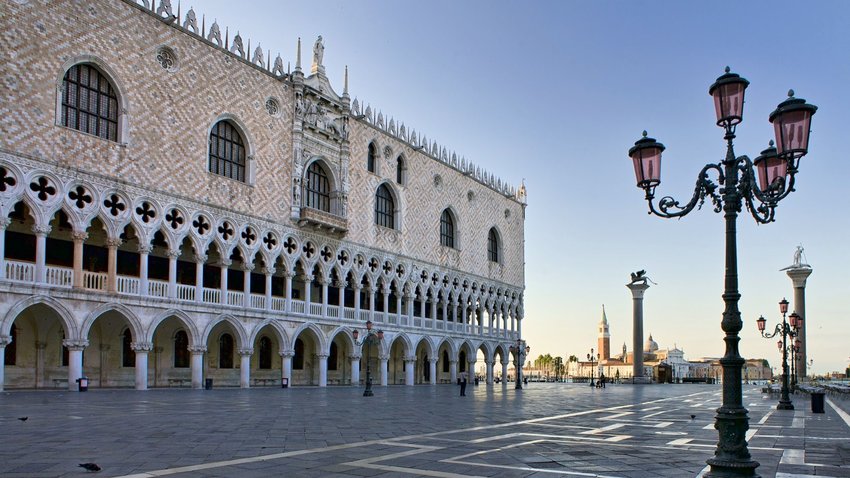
{"type": "Point", "coordinates": [116, 247]}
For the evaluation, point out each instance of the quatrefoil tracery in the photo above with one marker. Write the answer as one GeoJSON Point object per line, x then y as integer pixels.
{"type": "Point", "coordinates": [6, 179]}
{"type": "Point", "coordinates": [114, 204]}
{"type": "Point", "coordinates": [80, 196]}
{"type": "Point", "coordinates": [43, 187]}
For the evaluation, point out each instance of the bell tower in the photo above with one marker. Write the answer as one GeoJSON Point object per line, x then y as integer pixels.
{"type": "Point", "coordinates": [604, 337]}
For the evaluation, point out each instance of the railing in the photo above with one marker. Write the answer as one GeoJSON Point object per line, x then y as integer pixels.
{"type": "Point", "coordinates": [185, 292]}
{"type": "Point", "coordinates": [94, 280]}
{"type": "Point", "coordinates": [20, 271]}
{"type": "Point", "coordinates": [157, 288]}
{"type": "Point", "coordinates": [258, 301]}
{"type": "Point", "coordinates": [211, 296]}
{"type": "Point", "coordinates": [235, 298]}
{"type": "Point", "coordinates": [128, 285]}
{"type": "Point", "coordinates": [57, 276]}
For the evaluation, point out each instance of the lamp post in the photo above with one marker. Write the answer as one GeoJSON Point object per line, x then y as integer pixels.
{"type": "Point", "coordinates": [520, 351]}
{"type": "Point", "coordinates": [371, 338]}
{"type": "Point", "coordinates": [736, 186]}
{"type": "Point", "coordinates": [592, 358]}
{"type": "Point", "coordinates": [796, 359]}
{"type": "Point", "coordinates": [787, 330]}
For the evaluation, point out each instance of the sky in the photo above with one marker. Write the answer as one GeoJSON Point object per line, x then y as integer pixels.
{"type": "Point", "coordinates": [556, 92]}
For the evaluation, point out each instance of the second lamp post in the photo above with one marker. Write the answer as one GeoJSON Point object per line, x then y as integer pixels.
{"type": "Point", "coordinates": [787, 330]}
{"type": "Point", "coordinates": [371, 338]}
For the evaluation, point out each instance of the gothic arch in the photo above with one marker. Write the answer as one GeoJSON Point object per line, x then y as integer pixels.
{"type": "Point", "coordinates": [183, 318]}
{"type": "Point", "coordinates": [241, 333]}
{"type": "Point", "coordinates": [283, 338]}
{"type": "Point", "coordinates": [66, 317]}
{"type": "Point", "coordinates": [136, 327]}
{"type": "Point", "coordinates": [320, 336]}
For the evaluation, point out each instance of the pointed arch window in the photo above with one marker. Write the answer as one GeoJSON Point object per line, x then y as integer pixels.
{"type": "Point", "coordinates": [227, 151]}
{"type": "Point", "coordinates": [332, 356]}
{"type": "Point", "coordinates": [225, 351]}
{"type": "Point", "coordinates": [447, 229]}
{"type": "Point", "coordinates": [12, 348]}
{"type": "Point", "coordinates": [181, 349]}
{"type": "Point", "coordinates": [89, 102]}
{"type": "Point", "coordinates": [265, 353]}
{"type": "Point", "coordinates": [317, 188]}
{"type": "Point", "coordinates": [128, 356]}
{"type": "Point", "coordinates": [400, 170]}
{"type": "Point", "coordinates": [372, 158]}
{"type": "Point", "coordinates": [384, 207]}
{"type": "Point", "coordinates": [445, 361]}
{"type": "Point", "coordinates": [493, 245]}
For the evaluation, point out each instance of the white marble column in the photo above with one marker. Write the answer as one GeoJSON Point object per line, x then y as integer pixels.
{"type": "Point", "coordinates": [41, 233]}
{"type": "Point", "coordinates": [409, 370]}
{"type": "Point", "coordinates": [246, 284]}
{"type": "Point", "coordinates": [398, 310]}
{"type": "Point", "coordinates": [408, 300]}
{"type": "Point", "coordinates": [198, 366]}
{"type": "Point", "coordinates": [308, 292]}
{"type": "Point", "coordinates": [355, 370]}
{"type": "Point", "coordinates": [798, 277]}
{"type": "Point", "coordinates": [286, 366]}
{"type": "Point", "coordinates": [433, 311]}
{"type": "Point", "coordinates": [372, 291]}
{"type": "Point", "coordinates": [4, 223]}
{"type": "Point", "coordinates": [144, 251]}
{"type": "Point", "coordinates": [505, 364]}
{"type": "Point", "coordinates": [356, 287]}
{"type": "Point", "coordinates": [112, 264]}
{"type": "Point", "coordinates": [432, 369]}
{"type": "Point", "coordinates": [79, 239]}
{"type": "Point", "coordinates": [268, 272]}
{"type": "Point", "coordinates": [245, 367]}
{"type": "Point", "coordinates": [141, 349]}
{"type": "Point", "coordinates": [4, 341]}
{"type": "Point", "coordinates": [75, 361]}
{"type": "Point", "coordinates": [200, 260]}
{"type": "Point", "coordinates": [324, 283]}
{"type": "Point", "coordinates": [445, 309]}
{"type": "Point", "coordinates": [340, 285]}
{"type": "Point", "coordinates": [224, 264]}
{"type": "Point", "coordinates": [385, 292]}
{"type": "Point", "coordinates": [453, 370]}
{"type": "Point", "coordinates": [288, 289]}
{"type": "Point", "coordinates": [173, 254]}
{"type": "Point", "coordinates": [323, 369]}
{"type": "Point", "coordinates": [490, 364]}
{"type": "Point", "coordinates": [384, 371]}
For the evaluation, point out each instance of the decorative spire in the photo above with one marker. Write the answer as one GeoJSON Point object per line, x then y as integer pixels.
{"type": "Point", "coordinates": [298, 56]}
{"type": "Point", "coordinates": [604, 317]}
{"type": "Point", "coordinates": [345, 83]}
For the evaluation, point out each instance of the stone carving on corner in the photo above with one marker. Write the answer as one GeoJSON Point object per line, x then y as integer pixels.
{"type": "Point", "coordinates": [164, 8]}
{"type": "Point", "coordinates": [278, 66]}
{"type": "Point", "coordinates": [237, 47]}
{"type": "Point", "coordinates": [257, 59]}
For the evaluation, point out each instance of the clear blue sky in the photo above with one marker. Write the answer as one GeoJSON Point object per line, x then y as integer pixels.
{"type": "Point", "coordinates": [557, 91]}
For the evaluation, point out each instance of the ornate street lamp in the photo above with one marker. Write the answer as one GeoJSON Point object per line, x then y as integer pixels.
{"type": "Point", "coordinates": [592, 358]}
{"type": "Point", "coordinates": [787, 330]}
{"type": "Point", "coordinates": [371, 338]}
{"type": "Point", "coordinates": [520, 351]}
{"type": "Point", "coordinates": [736, 186]}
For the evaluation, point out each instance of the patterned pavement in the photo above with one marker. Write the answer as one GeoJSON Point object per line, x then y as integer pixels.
{"type": "Point", "coordinates": [546, 430]}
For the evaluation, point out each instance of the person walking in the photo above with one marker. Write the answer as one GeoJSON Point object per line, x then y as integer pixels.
{"type": "Point", "coordinates": [463, 384]}
{"type": "Point", "coordinates": [602, 379]}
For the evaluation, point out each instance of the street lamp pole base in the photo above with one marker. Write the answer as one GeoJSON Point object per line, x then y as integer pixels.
{"type": "Point", "coordinates": [783, 405]}
{"type": "Point", "coordinates": [368, 393]}
{"type": "Point", "coordinates": [732, 469]}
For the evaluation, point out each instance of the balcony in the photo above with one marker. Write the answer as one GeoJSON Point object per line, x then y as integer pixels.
{"type": "Point", "coordinates": [63, 277]}
{"type": "Point", "coordinates": [323, 221]}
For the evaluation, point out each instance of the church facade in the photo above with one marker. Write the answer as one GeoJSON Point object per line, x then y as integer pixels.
{"type": "Point", "coordinates": [177, 207]}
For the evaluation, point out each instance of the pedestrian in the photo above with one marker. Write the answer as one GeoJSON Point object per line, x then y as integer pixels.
{"type": "Point", "coordinates": [525, 381]}
{"type": "Point", "coordinates": [602, 379]}
{"type": "Point", "coordinates": [463, 384]}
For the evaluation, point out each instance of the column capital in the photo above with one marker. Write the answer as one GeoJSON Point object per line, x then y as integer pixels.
{"type": "Point", "coordinates": [269, 271]}
{"type": "Point", "coordinates": [355, 356]}
{"type": "Point", "coordinates": [248, 352]}
{"type": "Point", "coordinates": [490, 361]}
{"type": "Point", "coordinates": [224, 262]}
{"type": "Point", "coordinates": [75, 345]}
{"type": "Point", "coordinates": [79, 236]}
{"type": "Point", "coordinates": [637, 289]}
{"type": "Point", "coordinates": [339, 284]}
{"type": "Point", "coordinates": [799, 275]}
{"type": "Point", "coordinates": [4, 222]}
{"type": "Point", "coordinates": [145, 248]}
{"type": "Point", "coordinates": [506, 361]}
{"type": "Point", "coordinates": [200, 258]}
{"type": "Point", "coordinates": [141, 347]}
{"type": "Point", "coordinates": [453, 361]}
{"type": "Point", "coordinates": [5, 340]}
{"type": "Point", "coordinates": [287, 354]}
{"type": "Point", "coordinates": [113, 242]}
{"type": "Point", "coordinates": [197, 349]}
{"type": "Point", "coordinates": [356, 286]}
{"type": "Point", "coordinates": [40, 230]}
{"type": "Point", "coordinates": [322, 356]}
{"type": "Point", "coordinates": [433, 359]}
{"type": "Point", "coordinates": [410, 358]}
{"type": "Point", "coordinates": [383, 357]}
{"type": "Point", "coordinates": [247, 267]}
{"type": "Point", "coordinates": [173, 253]}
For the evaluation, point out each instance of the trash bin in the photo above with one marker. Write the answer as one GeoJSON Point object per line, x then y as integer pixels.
{"type": "Point", "coordinates": [284, 382]}
{"type": "Point", "coordinates": [83, 382]}
{"type": "Point", "coordinates": [817, 401]}
{"type": "Point", "coordinates": [208, 384]}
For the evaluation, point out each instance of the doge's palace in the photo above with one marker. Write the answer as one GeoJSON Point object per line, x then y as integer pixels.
{"type": "Point", "coordinates": [180, 208]}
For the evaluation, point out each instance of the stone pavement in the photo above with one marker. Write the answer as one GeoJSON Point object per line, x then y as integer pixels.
{"type": "Point", "coordinates": [550, 430]}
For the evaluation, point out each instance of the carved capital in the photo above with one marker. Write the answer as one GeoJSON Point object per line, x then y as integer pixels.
{"type": "Point", "coordinates": [269, 271]}
{"type": "Point", "coordinates": [5, 340]}
{"type": "Point", "coordinates": [145, 248]}
{"type": "Point", "coordinates": [248, 352]}
{"type": "Point", "coordinates": [79, 236]}
{"type": "Point", "coordinates": [433, 360]}
{"type": "Point", "coordinates": [287, 354]}
{"type": "Point", "coordinates": [246, 267]}
{"type": "Point", "coordinates": [355, 356]}
{"type": "Point", "coordinates": [141, 347]}
{"type": "Point", "coordinates": [197, 349]}
{"type": "Point", "coordinates": [40, 230]}
{"type": "Point", "coordinates": [113, 242]}
{"type": "Point", "coordinates": [200, 258]}
{"type": "Point", "coordinates": [356, 286]}
{"type": "Point", "coordinates": [173, 253]}
{"type": "Point", "coordinates": [225, 262]}
{"type": "Point", "coordinates": [75, 345]}
{"type": "Point", "coordinates": [322, 356]}
{"type": "Point", "coordinates": [410, 359]}
{"type": "Point", "coordinates": [4, 222]}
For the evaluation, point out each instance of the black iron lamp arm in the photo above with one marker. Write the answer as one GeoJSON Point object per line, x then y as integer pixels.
{"type": "Point", "coordinates": [763, 211]}
{"type": "Point", "coordinates": [780, 329]}
{"type": "Point", "coordinates": [705, 187]}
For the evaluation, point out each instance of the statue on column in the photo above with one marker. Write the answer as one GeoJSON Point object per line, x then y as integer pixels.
{"type": "Point", "coordinates": [798, 260]}
{"type": "Point", "coordinates": [318, 51]}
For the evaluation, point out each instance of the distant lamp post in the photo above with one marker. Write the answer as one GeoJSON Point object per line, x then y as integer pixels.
{"type": "Point", "coordinates": [736, 187]}
{"type": "Point", "coordinates": [371, 338]}
{"type": "Point", "coordinates": [520, 351]}
{"type": "Point", "coordinates": [593, 358]}
{"type": "Point", "coordinates": [786, 330]}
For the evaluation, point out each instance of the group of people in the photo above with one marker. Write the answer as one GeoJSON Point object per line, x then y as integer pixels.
{"type": "Point", "coordinates": [599, 383]}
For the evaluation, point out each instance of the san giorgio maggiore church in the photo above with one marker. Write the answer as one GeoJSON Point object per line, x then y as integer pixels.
{"type": "Point", "coordinates": [179, 206]}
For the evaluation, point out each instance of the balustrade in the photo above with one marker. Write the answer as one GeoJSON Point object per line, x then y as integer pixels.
{"type": "Point", "coordinates": [158, 288]}
{"type": "Point", "coordinates": [128, 285]}
{"type": "Point", "coordinates": [59, 276]}
{"type": "Point", "coordinates": [185, 292]}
